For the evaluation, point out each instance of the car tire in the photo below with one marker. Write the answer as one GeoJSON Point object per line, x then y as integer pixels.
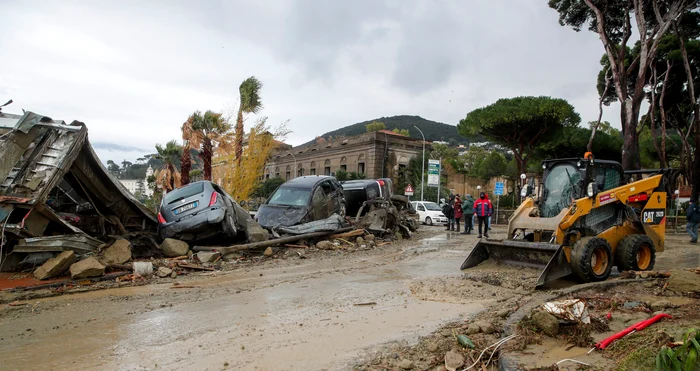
{"type": "Point", "coordinates": [591, 259]}
{"type": "Point", "coordinates": [428, 221]}
{"type": "Point", "coordinates": [228, 225]}
{"type": "Point", "coordinates": [635, 253]}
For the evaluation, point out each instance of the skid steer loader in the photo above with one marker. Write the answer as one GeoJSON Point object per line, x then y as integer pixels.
{"type": "Point", "coordinates": [585, 218]}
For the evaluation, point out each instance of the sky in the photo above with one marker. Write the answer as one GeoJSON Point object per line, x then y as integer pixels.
{"type": "Point", "coordinates": [133, 71]}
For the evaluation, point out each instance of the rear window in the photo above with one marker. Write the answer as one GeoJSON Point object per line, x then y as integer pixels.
{"type": "Point", "coordinates": [290, 196]}
{"type": "Point", "coordinates": [184, 192]}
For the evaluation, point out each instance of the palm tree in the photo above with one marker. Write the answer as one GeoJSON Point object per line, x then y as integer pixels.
{"type": "Point", "coordinates": [250, 103]}
{"type": "Point", "coordinates": [168, 177]}
{"type": "Point", "coordinates": [213, 129]}
{"type": "Point", "coordinates": [191, 139]}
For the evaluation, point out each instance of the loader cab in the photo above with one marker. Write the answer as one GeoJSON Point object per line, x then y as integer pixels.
{"type": "Point", "coordinates": [565, 180]}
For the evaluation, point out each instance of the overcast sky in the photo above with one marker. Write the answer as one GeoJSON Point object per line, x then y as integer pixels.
{"type": "Point", "coordinates": [134, 70]}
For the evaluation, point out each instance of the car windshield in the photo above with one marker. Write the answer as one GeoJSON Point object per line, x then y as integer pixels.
{"type": "Point", "coordinates": [560, 189]}
{"type": "Point", "coordinates": [432, 206]}
{"type": "Point", "coordinates": [184, 192]}
{"type": "Point", "coordinates": [289, 196]}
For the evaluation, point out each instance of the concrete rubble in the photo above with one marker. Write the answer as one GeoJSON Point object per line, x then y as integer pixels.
{"type": "Point", "coordinates": [87, 268]}
{"type": "Point", "coordinates": [173, 248]}
{"type": "Point", "coordinates": [118, 253]}
{"type": "Point", "coordinates": [55, 266]}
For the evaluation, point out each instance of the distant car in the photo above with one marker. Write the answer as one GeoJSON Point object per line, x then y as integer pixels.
{"type": "Point", "coordinates": [358, 191]}
{"type": "Point", "coordinates": [302, 200]}
{"type": "Point", "coordinates": [199, 211]}
{"type": "Point", "coordinates": [429, 212]}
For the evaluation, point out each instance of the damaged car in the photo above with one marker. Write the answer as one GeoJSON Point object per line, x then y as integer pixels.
{"type": "Point", "coordinates": [302, 200]}
{"type": "Point", "coordinates": [358, 191]}
{"type": "Point", "coordinates": [200, 211]}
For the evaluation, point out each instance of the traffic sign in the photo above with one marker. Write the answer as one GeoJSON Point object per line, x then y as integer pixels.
{"type": "Point", "coordinates": [433, 173]}
{"type": "Point", "coordinates": [409, 190]}
{"type": "Point", "coordinates": [498, 190]}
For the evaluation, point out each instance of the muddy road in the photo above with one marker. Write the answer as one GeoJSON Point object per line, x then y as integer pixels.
{"type": "Point", "coordinates": [285, 314]}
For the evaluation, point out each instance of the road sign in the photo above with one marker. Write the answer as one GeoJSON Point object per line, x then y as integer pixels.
{"type": "Point", "coordinates": [409, 190]}
{"type": "Point", "coordinates": [498, 191]}
{"type": "Point", "coordinates": [433, 173]}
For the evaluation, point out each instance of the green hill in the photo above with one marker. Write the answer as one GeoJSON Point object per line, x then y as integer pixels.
{"type": "Point", "coordinates": [433, 131]}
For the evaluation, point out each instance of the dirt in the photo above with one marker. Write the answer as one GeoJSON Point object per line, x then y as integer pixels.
{"type": "Point", "coordinates": [295, 310]}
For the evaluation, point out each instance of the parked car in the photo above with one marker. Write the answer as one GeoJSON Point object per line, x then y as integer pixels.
{"type": "Point", "coordinates": [358, 191]}
{"type": "Point", "coordinates": [302, 200]}
{"type": "Point", "coordinates": [201, 210]}
{"type": "Point", "coordinates": [429, 212]}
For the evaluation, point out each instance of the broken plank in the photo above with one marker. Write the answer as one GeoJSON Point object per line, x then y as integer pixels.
{"type": "Point", "coordinates": [274, 242]}
{"type": "Point", "coordinates": [296, 246]}
{"type": "Point", "coordinates": [355, 233]}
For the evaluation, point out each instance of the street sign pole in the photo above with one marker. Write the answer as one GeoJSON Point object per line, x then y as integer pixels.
{"type": "Point", "coordinates": [498, 191]}
{"type": "Point", "coordinates": [498, 199]}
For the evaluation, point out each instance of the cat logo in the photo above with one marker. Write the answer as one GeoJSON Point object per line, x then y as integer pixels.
{"type": "Point", "coordinates": [654, 216]}
{"type": "Point", "coordinates": [648, 218]}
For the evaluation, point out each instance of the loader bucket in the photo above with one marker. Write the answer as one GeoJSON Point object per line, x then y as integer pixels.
{"type": "Point", "coordinates": [546, 256]}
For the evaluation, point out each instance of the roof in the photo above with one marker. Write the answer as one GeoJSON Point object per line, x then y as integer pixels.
{"type": "Point", "coordinates": [306, 181]}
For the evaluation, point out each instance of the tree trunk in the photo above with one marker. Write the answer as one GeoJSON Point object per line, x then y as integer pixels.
{"type": "Point", "coordinates": [600, 111]}
{"type": "Point", "coordinates": [206, 157]}
{"type": "Point", "coordinates": [238, 147]}
{"type": "Point", "coordinates": [171, 176]}
{"type": "Point", "coordinates": [662, 109]}
{"type": "Point", "coordinates": [185, 164]}
{"type": "Point", "coordinates": [694, 178]}
{"type": "Point", "coordinates": [630, 146]}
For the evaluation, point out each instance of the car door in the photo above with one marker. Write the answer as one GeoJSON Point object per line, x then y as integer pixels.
{"type": "Point", "coordinates": [330, 200]}
{"type": "Point", "coordinates": [318, 204]}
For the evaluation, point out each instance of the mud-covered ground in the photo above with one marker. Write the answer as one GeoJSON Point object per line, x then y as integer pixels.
{"type": "Point", "coordinates": [388, 308]}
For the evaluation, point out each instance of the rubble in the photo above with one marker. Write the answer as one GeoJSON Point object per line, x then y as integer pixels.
{"type": "Point", "coordinates": [164, 272]}
{"type": "Point", "coordinates": [87, 268]}
{"type": "Point", "coordinates": [684, 281]}
{"type": "Point", "coordinates": [324, 245]}
{"type": "Point", "coordinates": [255, 232]}
{"type": "Point", "coordinates": [546, 322]}
{"type": "Point", "coordinates": [453, 360]}
{"type": "Point", "coordinates": [173, 248]}
{"type": "Point", "coordinates": [55, 266]}
{"type": "Point", "coordinates": [118, 253]}
{"type": "Point", "coordinates": [207, 256]}
{"type": "Point", "coordinates": [268, 252]}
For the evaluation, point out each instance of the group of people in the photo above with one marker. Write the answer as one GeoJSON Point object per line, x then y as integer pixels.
{"type": "Point", "coordinates": [468, 210]}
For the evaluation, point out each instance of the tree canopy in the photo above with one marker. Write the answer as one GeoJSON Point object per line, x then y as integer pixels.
{"type": "Point", "coordinates": [375, 126]}
{"type": "Point", "coordinates": [520, 123]}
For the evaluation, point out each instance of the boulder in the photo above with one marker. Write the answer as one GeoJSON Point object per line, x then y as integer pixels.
{"type": "Point", "coordinates": [660, 305]}
{"type": "Point", "coordinates": [89, 267]}
{"type": "Point", "coordinates": [208, 256]}
{"type": "Point", "coordinates": [453, 360]}
{"type": "Point", "coordinates": [546, 322]}
{"type": "Point", "coordinates": [255, 233]}
{"type": "Point", "coordinates": [324, 245]}
{"type": "Point", "coordinates": [164, 272]}
{"type": "Point", "coordinates": [473, 328]}
{"type": "Point", "coordinates": [486, 327]}
{"type": "Point", "coordinates": [503, 313]}
{"type": "Point", "coordinates": [406, 364]}
{"type": "Point", "coordinates": [55, 266]}
{"type": "Point", "coordinates": [172, 247]}
{"type": "Point", "coordinates": [269, 252]}
{"type": "Point", "coordinates": [683, 281]}
{"type": "Point", "coordinates": [118, 253]}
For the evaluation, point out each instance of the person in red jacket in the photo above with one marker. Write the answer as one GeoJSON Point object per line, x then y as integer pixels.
{"type": "Point", "coordinates": [483, 209]}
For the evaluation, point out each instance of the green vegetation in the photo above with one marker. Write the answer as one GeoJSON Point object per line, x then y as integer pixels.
{"type": "Point", "coordinates": [341, 175]}
{"type": "Point", "coordinates": [681, 358]}
{"type": "Point", "coordinates": [267, 187]}
{"type": "Point", "coordinates": [375, 126]}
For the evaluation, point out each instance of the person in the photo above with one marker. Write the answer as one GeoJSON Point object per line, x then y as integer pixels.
{"type": "Point", "coordinates": [693, 220]}
{"type": "Point", "coordinates": [468, 210]}
{"type": "Point", "coordinates": [450, 214]}
{"type": "Point", "coordinates": [458, 212]}
{"type": "Point", "coordinates": [483, 209]}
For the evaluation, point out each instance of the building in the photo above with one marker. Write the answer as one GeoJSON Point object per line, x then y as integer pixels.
{"type": "Point", "coordinates": [139, 185]}
{"type": "Point", "coordinates": [381, 154]}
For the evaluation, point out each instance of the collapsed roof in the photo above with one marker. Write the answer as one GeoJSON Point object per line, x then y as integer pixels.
{"type": "Point", "coordinates": [53, 183]}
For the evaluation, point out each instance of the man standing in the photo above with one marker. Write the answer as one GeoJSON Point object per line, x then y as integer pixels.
{"type": "Point", "coordinates": [483, 209]}
{"type": "Point", "coordinates": [692, 216]}
{"type": "Point", "coordinates": [458, 212]}
{"type": "Point", "coordinates": [468, 210]}
{"type": "Point", "coordinates": [449, 212]}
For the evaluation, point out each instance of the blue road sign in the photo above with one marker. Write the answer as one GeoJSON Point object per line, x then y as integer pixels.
{"type": "Point", "coordinates": [498, 191]}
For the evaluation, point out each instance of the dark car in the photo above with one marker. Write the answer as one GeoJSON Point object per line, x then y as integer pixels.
{"type": "Point", "coordinates": [302, 200]}
{"type": "Point", "coordinates": [199, 211]}
{"type": "Point", "coordinates": [358, 191]}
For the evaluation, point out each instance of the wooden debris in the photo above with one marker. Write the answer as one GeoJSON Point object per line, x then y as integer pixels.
{"type": "Point", "coordinates": [365, 304]}
{"type": "Point", "coordinates": [296, 246]}
{"type": "Point", "coordinates": [194, 266]}
{"type": "Point", "coordinates": [354, 233]}
{"type": "Point", "coordinates": [185, 287]}
{"type": "Point", "coordinates": [274, 242]}
{"type": "Point", "coordinates": [645, 274]}
{"type": "Point", "coordinates": [183, 257]}
{"type": "Point", "coordinates": [384, 243]}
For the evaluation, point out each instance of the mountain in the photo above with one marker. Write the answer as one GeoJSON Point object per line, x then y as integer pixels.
{"type": "Point", "coordinates": [433, 131]}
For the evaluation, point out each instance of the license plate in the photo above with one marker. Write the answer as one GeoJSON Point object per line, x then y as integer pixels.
{"type": "Point", "coordinates": [187, 207]}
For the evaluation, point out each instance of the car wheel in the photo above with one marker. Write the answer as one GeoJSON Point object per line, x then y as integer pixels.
{"type": "Point", "coordinates": [428, 221]}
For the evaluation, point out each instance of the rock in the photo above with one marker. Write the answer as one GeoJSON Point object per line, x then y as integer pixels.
{"type": "Point", "coordinates": [446, 333]}
{"type": "Point", "coordinates": [190, 253]}
{"type": "Point", "coordinates": [486, 327]}
{"type": "Point", "coordinates": [55, 266]}
{"type": "Point", "coordinates": [231, 256]}
{"type": "Point", "coordinates": [473, 329]}
{"type": "Point", "coordinates": [118, 253]}
{"type": "Point", "coordinates": [432, 347]}
{"type": "Point", "coordinates": [369, 237]}
{"type": "Point", "coordinates": [644, 275]}
{"type": "Point", "coordinates": [546, 322]}
{"type": "Point", "coordinates": [648, 284]}
{"type": "Point", "coordinates": [255, 233]}
{"type": "Point", "coordinates": [172, 247]}
{"type": "Point", "coordinates": [360, 240]}
{"type": "Point", "coordinates": [453, 360]}
{"type": "Point", "coordinates": [164, 272]}
{"type": "Point", "coordinates": [503, 313]}
{"type": "Point", "coordinates": [324, 245]}
{"type": "Point", "coordinates": [371, 244]}
{"type": "Point", "coordinates": [173, 274]}
{"type": "Point", "coordinates": [89, 267]}
{"type": "Point", "coordinates": [208, 256]}
{"type": "Point", "coordinates": [406, 364]}
{"type": "Point", "coordinates": [682, 281]}
{"type": "Point", "coordinates": [661, 305]}
{"type": "Point", "coordinates": [269, 252]}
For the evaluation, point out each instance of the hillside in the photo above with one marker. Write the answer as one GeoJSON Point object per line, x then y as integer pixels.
{"type": "Point", "coordinates": [433, 131]}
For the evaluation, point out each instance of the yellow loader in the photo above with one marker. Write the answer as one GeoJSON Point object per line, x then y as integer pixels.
{"type": "Point", "coordinates": [584, 219]}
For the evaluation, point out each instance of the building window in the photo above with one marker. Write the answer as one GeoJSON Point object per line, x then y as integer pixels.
{"type": "Point", "coordinates": [277, 175]}
{"type": "Point", "coordinates": [344, 167]}
{"type": "Point", "coordinates": [312, 171]}
{"type": "Point", "coordinates": [403, 174]}
{"type": "Point", "coordinates": [286, 175]}
{"type": "Point", "coordinates": [327, 170]}
{"type": "Point", "coordinates": [361, 167]}
{"type": "Point", "coordinates": [300, 172]}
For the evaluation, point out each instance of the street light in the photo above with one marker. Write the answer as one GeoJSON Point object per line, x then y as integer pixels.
{"type": "Point", "coordinates": [522, 182]}
{"type": "Point", "coordinates": [422, 171]}
{"type": "Point", "coordinates": [296, 171]}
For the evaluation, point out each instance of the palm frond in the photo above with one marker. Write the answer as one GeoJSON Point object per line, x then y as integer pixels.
{"type": "Point", "coordinates": [251, 102]}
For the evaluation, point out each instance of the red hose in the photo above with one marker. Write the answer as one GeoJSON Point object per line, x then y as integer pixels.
{"type": "Point", "coordinates": [636, 327]}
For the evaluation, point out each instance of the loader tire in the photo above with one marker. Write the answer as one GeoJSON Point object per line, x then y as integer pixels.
{"type": "Point", "coordinates": [635, 252]}
{"type": "Point", "coordinates": [591, 259]}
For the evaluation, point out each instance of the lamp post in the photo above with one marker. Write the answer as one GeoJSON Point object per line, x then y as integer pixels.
{"type": "Point", "coordinates": [676, 203]}
{"type": "Point", "coordinates": [296, 171]}
{"type": "Point", "coordinates": [422, 167]}
{"type": "Point", "coordinates": [522, 182]}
